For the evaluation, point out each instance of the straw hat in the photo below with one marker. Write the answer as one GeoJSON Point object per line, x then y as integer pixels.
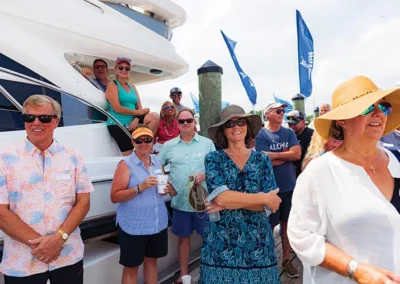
{"type": "Point", "coordinates": [235, 111]}
{"type": "Point", "coordinates": [354, 96]}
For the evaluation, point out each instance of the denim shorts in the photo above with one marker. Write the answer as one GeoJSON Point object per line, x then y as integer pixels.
{"type": "Point", "coordinates": [184, 223]}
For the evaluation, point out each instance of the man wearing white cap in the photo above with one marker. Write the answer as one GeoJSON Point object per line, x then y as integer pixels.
{"type": "Point", "coordinates": [176, 95]}
{"type": "Point", "coordinates": [281, 144]}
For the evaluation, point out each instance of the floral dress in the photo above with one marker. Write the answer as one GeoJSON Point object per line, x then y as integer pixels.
{"type": "Point", "coordinates": [239, 248]}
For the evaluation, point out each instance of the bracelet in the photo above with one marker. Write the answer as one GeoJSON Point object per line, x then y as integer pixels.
{"type": "Point", "coordinates": [353, 265]}
{"type": "Point", "coordinates": [138, 189]}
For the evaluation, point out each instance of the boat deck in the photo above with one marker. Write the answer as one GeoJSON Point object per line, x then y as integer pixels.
{"type": "Point", "coordinates": [195, 267]}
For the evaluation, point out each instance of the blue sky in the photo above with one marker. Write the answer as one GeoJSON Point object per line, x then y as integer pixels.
{"type": "Point", "coordinates": [351, 38]}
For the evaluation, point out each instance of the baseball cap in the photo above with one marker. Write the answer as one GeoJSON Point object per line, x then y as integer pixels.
{"type": "Point", "coordinates": [100, 60]}
{"type": "Point", "coordinates": [274, 105]}
{"type": "Point", "coordinates": [123, 59]}
{"type": "Point", "coordinates": [175, 90]}
{"type": "Point", "coordinates": [294, 117]}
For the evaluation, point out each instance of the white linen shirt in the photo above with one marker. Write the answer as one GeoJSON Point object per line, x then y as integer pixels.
{"type": "Point", "coordinates": [337, 202]}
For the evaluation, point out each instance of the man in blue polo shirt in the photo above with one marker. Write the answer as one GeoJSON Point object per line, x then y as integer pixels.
{"type": "Point", "coordinates": [281, 145]}
{"type": "Point", "coordinates": [186, 154]}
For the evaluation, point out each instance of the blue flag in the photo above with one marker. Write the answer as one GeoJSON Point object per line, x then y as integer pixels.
{"type": "Point", "coordinates": [246, 81]}
{"type": "Point", "coordinates": [305, 49]}
{"type": "Point", "coordinates": [196, 104]}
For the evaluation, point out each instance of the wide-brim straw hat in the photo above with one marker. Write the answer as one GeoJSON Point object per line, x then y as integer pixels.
{"type": "Point", "coordinates": [231, 111]}
{"type": "Point", "coordinates": [354, 96]}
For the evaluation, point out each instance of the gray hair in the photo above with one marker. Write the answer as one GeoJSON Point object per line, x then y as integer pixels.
{"type": "Point", "coordinates": [39, 100]}
{"type": "Point", "coordinates": [327, 105]}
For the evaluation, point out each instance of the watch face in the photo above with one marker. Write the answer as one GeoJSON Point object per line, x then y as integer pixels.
{"type": "Point", "coordinates": [65, 236]}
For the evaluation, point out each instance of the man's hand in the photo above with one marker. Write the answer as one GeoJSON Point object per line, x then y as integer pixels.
{"type": "Point", "coordinates": [48, 248]}
{"type": "Point", "coordinates": [199, 178]}
{"type": "Point", "coordinates": [272, 155]}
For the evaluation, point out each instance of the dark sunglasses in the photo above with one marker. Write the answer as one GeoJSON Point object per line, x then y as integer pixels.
{"type": "Point", "coordinates": [141, 140]}
{"type": "Point", "coordinates": [100, 67]}
{"type": "Point", "coordinates": [384, 107]}
{"type": "Point", "coordinates": [187, 120]}
{"type": "Point", "coordinates": [174, 95]}
{"type": "Point", "coordinates": [127, 68]}
{"type": "Point", "coordinates": [279, 111]}
{"type": "Point", "coordinates": [232, 123]}
{"type": "Point", "coordinates": [168, 107]}
{"type": "Point", "coordinates": [43, 118]}
{"type": "Point", "coordinates": [293, 118]}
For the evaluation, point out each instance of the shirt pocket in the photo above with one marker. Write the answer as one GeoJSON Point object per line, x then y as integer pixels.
{"type": "Point", "coordinates": [65, 185]}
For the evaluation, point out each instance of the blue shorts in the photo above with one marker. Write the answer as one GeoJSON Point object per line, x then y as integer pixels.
{"type": "Point", "coordinates": [282, 215]}
{"type": "Point", "coordinates": [184, 223]}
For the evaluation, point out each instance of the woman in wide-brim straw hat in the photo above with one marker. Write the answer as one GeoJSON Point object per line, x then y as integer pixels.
{"type": "Point", "coordinates": [345, 220]}
{"type": "Point", "coordinates": [239, 248]}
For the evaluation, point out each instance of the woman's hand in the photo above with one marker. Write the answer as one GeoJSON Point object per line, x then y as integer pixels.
{"type": "Point", "coordinates": [272, 200]}
{"type": "Point", "coordinates": [148, 182]}
{"type": "Point", "coordinates": [366, 273]}
{"type": "Point", "coordinates": [211, 207]}
{"type": "Point", "coordinates": [134, 123]}
{"type": "Point", "coordinates": [143, 111]}
{"type": "Point", "coordinates": [169, 189]}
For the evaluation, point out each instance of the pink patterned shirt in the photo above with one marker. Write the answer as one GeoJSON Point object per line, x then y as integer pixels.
{"type": "Point", "coordinates": [41, 192]}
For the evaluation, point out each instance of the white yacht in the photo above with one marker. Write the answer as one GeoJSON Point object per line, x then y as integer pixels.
{"type": "Point", "coordinates": [44, 45]}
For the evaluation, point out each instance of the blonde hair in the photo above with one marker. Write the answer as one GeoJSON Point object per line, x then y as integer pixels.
{"type": "Point", "coordinates": [162, 109]}
{"type": "Point", "coordinates": [316, 148]}
{"type": "Point", "coordinates": [116, 71]}
{"type": "Point", "coordinates": [39, 100]}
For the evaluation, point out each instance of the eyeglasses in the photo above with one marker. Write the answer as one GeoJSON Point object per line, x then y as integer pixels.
{"type": "Point", "coordinates": [127, 68]}
{"type": "Point", "coordinates": [43, 118]}
{"type": "Point", "coordinates": [176, 94]}
{"type": "Point", "coordinates": [141, 140]}
{"type": "Point", "coordinates": [123, 59]}
{"type": "Point", "coordinates": [187, 120]}
{"type": "Point", "coordinates": [168, 107]}
{"type": "Point", "coordinates": [384, 107]}
{"type": "Point", "coordinates": [99, 67]}
{"type": "Point", "coordinates": [279, 111]}
{"type": "Point", "coordinates": [293, 118]}
{"type": "Point", "coordinates": [232, 123]}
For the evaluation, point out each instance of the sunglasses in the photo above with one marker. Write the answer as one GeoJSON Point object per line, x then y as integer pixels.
{"type": "Point", "coordinates": [141, 140]}
{"type": "Point", "coordinates": [100, 67]}
{"type": "Point", "coordinates": [187, 120]}
{"type": "Point", "coordinates": [168, 107]}
{"type": "Point", "coordinates": [43, 118]}
{"type": "Point", "coordinates": [384, 107]}
{"type": "Point", "coordinates": [293, 118]}
{"type": "Point", "coordinates": [174, 95]}
{"type": "Point", "coordinates": [127, 68]}
{"type": "Point", "coordinates": [232, 123]}
{"type": "Point", "coordinates": [279, 111]}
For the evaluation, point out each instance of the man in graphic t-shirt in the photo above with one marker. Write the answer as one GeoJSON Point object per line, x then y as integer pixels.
{"type": "Point", "coordinates": [281, 144]}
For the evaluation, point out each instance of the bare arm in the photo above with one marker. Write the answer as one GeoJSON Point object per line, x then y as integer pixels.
{"type": "Point", "coordinates": [119, 191]}
{"type": "Point", "coordinates": [112, 97]}
{"type": "Point", "coordinates": [14, 227]}
{"type": "Point", "coordinates": [277, 162]}
{"type": "Point", "coordinates": [77, 213]}
{"type": "Point", "coordinates": [139, 101]}
{"type": "Point", "coordinates": [293, 154]}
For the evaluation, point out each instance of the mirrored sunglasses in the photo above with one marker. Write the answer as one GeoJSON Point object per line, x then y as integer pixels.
{"type": "Point", "coordinates": [127, 68]}
{"type": "Point", "coordinates": [384, 107]}
{"type": "Point", "coordinates": [188, 120]}
{"type": "Point", "coordinates": [43, 118]}
{"type": "Point", "coordinates": [141, 140]}
{"type": "Point", "coordinates": [168, 107]}
{"type": "Point", "coordinates": [232, 123]}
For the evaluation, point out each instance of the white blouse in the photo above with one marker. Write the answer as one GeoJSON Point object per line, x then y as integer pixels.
{"type": "Point", "coordinates": [337, 202]}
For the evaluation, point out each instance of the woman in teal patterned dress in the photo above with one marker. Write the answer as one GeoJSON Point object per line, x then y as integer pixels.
{"type": "Point", "coordinates": [239, 248]}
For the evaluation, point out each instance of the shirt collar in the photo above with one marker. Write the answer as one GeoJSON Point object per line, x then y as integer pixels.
{"type": "Point", "coordinates": [137, 161]}
{"type": "Point", "coordinates": [32, 149]}
{"type": "Point", "coordinates": [196, 138]}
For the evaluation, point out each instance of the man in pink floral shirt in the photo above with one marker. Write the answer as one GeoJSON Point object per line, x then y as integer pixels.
{"type": "Point", "coordinates": [44, 196]}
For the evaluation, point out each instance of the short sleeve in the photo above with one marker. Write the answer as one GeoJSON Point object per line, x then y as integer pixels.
{"type": "Point", "coordinates": [216, 183]}
{"type": "Point", "coordinates": [212, 146]}
{"type": "Point", "coordinates": [292, 138]}
{"type": "Point", "coordinates": [307, 220]}
{"type": "Point", "coordinates": [260, 142]}
{"type": "Point", "coordinates": [268, 181]}
{"type": "Point", "coordinates": [83, 182]}
{"type": "Point", "coordinates": [163, 155]}
{"type": "Point", "coordinates": [4, 197]}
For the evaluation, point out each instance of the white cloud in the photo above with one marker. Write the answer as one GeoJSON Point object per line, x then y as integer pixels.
{"type": "Point", "coordinates": [350, 38]}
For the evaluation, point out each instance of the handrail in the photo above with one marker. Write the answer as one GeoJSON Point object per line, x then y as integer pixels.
{"type": "Point", "coordinates": [10, 98]}
{"type": "Point", "coordinates": [57, 89]}
{"type": "Point", "coordinates": [95, 5]}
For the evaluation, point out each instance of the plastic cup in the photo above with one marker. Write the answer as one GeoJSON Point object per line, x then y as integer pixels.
{"type": "Point", "coordinates": [186, 279]}
{"type": "Point", "coordinates": [162, 181]}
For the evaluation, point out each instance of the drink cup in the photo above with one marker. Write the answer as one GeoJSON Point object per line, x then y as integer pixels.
{"type": "Point", "coordinates": [186, 279]}
{"type": "Point", "coordinates": [162, 181]}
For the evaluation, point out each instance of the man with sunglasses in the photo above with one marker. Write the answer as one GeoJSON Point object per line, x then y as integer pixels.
{"type": "Point", "coordinates": [176, 95]}
{"type": "Point", "coordinates": [296, 121]}
{"type": "Point", "coordinates": [100, 70]}
{"type": "Point", "coordinates": [185, 154]}
{"type": "Point", "coordinates": [281, 144]}
{"type": "Point", "coordinates": [44, 196]}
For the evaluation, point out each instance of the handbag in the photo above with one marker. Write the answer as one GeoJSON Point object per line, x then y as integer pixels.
{"type": "Point", "coordinates": [197, 195]}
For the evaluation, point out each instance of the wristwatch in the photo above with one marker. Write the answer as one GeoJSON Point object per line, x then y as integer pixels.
{"type": "Point", "coordinates": [63, 234]}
